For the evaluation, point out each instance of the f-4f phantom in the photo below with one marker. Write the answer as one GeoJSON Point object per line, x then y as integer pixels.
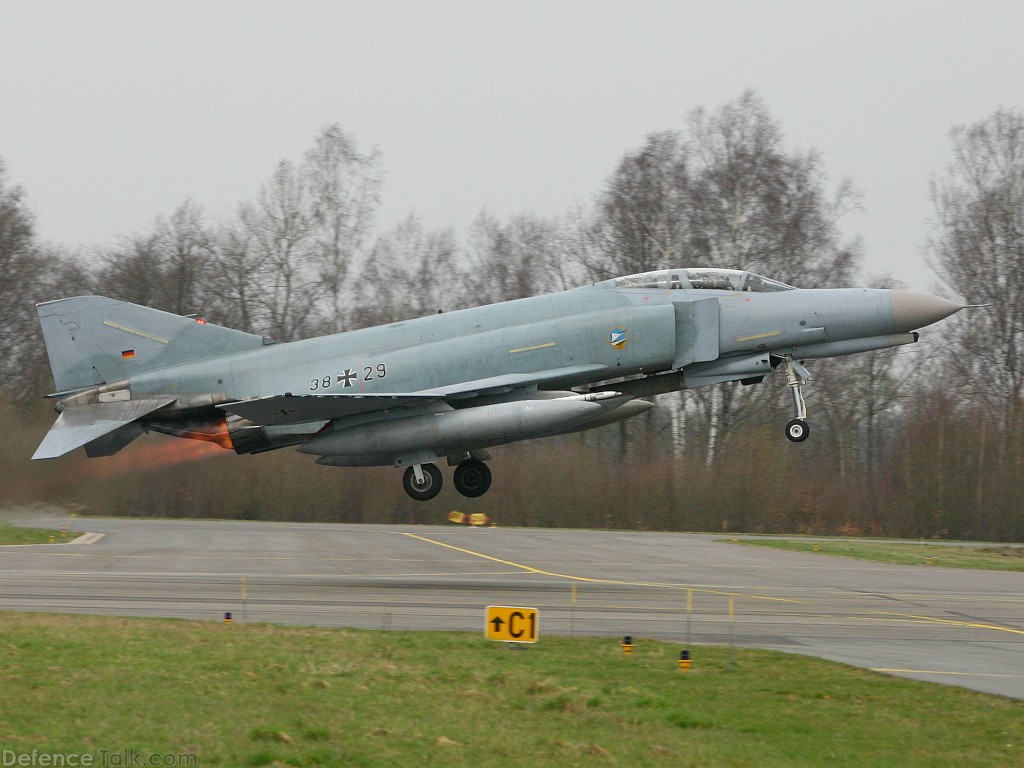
{"type": "Point", "coordinates": [450, 386]}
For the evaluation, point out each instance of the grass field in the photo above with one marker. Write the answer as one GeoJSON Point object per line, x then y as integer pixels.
{"type": "Point", "coordinates": [991, 557]}
{"type": "Point", "coordinates": [9, 534]}
{"type": "Point", "coordinates": [237, 695]}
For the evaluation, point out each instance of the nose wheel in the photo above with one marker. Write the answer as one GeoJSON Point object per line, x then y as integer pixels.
{"type": "Point", "coordinates": [798, 429]}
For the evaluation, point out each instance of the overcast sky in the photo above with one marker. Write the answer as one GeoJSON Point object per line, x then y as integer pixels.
{"type": "Point", "coordinates": [112, 113]}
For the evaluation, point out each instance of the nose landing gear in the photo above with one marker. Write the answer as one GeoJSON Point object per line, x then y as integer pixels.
{"type": "Point", "coordinates": [798, 429]}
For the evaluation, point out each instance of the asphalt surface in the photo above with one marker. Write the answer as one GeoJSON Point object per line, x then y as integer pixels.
{"type": "Point", "coordinates": [959, 627]}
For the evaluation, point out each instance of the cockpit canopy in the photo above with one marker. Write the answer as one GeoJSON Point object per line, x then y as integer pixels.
{"type": "Point", "coordinates": [713, 279]}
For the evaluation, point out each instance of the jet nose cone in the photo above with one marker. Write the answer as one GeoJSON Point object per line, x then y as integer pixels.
{"type": "Point", "coordinates": [912, 310]}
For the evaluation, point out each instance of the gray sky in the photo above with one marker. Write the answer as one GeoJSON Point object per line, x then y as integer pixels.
{"type": "Point", "coordinates": [112, 113]}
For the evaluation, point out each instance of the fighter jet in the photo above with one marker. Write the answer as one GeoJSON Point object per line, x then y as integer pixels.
{"type": "Point", "coordinates": [450, 386]}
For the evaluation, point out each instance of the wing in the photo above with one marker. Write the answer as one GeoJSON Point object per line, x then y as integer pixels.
{"type": "Point", "coordinates": [298, 409]}
{"type": "Point", "coordinates": [496, 385]}
{"type": "Point", "coordinates": [85, 423]}
{"type": "Point", "coordinates": [278, 410]}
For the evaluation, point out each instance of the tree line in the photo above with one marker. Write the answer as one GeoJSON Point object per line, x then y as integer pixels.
{"type": "Point", "coordinates": [924, 441]}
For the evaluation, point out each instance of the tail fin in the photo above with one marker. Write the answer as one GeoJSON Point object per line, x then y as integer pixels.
{"type": "Point", "coordinates": [93, 340]}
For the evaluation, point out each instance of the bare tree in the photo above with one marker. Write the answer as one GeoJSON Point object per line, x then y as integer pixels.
{"type": "Point", "coordinates": [511, 260]}
{"type": "Point", "coordinates": [758, 207]}
{"type": "Point", "coordinates": [132, 270]}
{"type": "Point", "coordinates": [187, 246]}
{"type": "Point", "coordinates": [724, 192]}
{"type": "Point", "coordinates": [165, 267]}
{"type": "Point", "coordinates": [858, 398]}
{"type": "Point", "coordinates": [571, 246]}
{"type": "Point", "coordinates": [410, 272]}
{"type": "Point", "coordinates": [644, 212]}
{"type": "Point", "coordinates": [30, 272]}
{"type": "Point", "coordinates": [977, 249]}
{"type": "Point", "coordinates": [22, 270]}
{"type": "Point", "coordinates": [235, 278]}
{"type": "Point", "coordinates": [344, 192]}
{"type": "Point", "coordinates": [280, 235]}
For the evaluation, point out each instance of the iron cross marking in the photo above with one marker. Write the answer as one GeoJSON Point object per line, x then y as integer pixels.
{"type": "Point", "coordinates": [347, 377]}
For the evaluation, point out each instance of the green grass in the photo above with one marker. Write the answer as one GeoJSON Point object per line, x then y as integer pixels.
{"type": "Point", "coordinates": [989, 557]}
{"type": "Point", "coordinates": [10, 534]}
{"type": "Point", "coordinates": [238, 695]}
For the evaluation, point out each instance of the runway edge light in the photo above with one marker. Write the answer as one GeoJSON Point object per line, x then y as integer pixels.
{"type": "Point", "coordinates": [227, 617]}
{"type": "Point", "coordinates": [684, 660]}
{"type": "Point", "coordinates": [627, 645]}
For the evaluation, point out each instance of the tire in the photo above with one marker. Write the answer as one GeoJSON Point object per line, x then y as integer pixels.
{"type": "Point", "coordinates": [472, 478]}
{"type": "Point", "coordinates": [429, 488]}
{"type": "Point", "coordinates": [798, 430]}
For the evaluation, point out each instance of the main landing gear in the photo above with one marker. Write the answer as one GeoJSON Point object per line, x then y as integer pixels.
{"type": "Point", "coordinates": [798, 429]}
{"type": "Point", "coordinates": [423, 481]}
{"type": "Point", "coordinates": [472, 478]}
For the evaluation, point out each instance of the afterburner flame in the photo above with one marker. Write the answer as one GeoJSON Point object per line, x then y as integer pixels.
{"type": "Point", "coordinates": [209, 431]}
{"type": "Point", "coordinates": [145, 456]}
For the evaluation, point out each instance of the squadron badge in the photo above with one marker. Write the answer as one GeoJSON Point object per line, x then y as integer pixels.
{"type": "Point", "coordinates": [618, 337]}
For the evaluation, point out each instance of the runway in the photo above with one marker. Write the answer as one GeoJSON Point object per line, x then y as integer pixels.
{"type": "Point", "coordinates": [958, 627]}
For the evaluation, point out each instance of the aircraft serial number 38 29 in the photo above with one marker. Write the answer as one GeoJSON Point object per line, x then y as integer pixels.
{"type": "Point", "coordinates": [451, 385]}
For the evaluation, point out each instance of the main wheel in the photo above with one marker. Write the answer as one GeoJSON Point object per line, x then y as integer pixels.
{"type": "Point", "coordinates": [797, 430]}
{"type": "Point", "coordinates": [472, 478]}
{"type": "Point", "coordinates": [426, 490]}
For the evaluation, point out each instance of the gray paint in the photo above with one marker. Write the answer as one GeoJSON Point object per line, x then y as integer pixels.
{"type": "Point", "coordinates": [454, 383]}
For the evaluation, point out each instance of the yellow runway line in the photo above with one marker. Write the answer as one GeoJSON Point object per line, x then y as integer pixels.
{"type": "Point", "coordinates": [587, 579]}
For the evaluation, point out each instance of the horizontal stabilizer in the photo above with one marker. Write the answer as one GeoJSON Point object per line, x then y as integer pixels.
{"type": "Point", "coordinates": [300, 409]}
{"type": "Point", "coordinates": [83, 424]}
{"type": "Point", "coordinates": [112, 442]}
